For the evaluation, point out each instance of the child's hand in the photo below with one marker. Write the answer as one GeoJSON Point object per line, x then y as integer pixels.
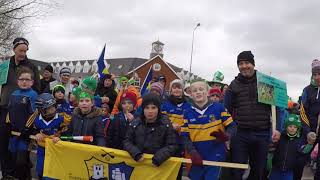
{"type": "Point", "coordinates": [311, 137]}
{"type": "Point", "coordinates": [227, 143]}
{"type": "Point", "coordinates": [105, 99]}
{"type": "Point", "coordinates": [39, 137]}
{"type": "Point", "coordinates": [141, 159]}
{"type": "Point", "coordinates": [176, 126]}
{"type": "Point", "coordinates": [55, 139]}
{"type": "Point", "coordinates": [129, 117]}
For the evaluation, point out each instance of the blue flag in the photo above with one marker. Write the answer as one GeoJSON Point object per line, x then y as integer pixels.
{"type": "Point", "coordinates": [146, 84]}
{"type": "Point", "coordinates": [102, 69]}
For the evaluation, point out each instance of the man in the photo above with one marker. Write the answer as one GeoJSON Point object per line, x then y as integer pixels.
{"type": "Point", "coordinates": [64, 80]}
{"type": "Point", "coordinates": [47, 78]}
{"type": "Point", "coordinates": [310, 109]}
{"type": "Point", "coordinates": [18, 60]}
{"type": "Point", "coordinates": [253, 118]}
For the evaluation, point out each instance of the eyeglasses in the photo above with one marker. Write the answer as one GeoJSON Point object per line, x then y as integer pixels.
{"type": "Point", "coordinates": [26, 80]}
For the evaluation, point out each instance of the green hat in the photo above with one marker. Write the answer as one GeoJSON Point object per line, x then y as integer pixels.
{"type": "Point", "coordinates": [218, 77]}
{"type": "Point", "coordinates": [293, 119]}
{"type": "Point", "coordinates": [89, 84]}
{"type": "Point", "coordinates": [84, 94]}
{"type": "Point", "coordinates": [76, 91]}
{"type": "Point", "coordinates": [123, 78]}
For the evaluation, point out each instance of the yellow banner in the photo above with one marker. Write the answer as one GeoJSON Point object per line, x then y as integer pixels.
{"type": "Point", "coordinates": [67, 160]}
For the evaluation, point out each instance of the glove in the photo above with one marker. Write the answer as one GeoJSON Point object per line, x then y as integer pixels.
{"type": "Point", "coordinates": [196, 158]}
{"type": "Point", "coordinates": [25, 133]}
{"type": "Point", "coordinates": [269, 162]}
{"type": "Point", "coordinates": [155, 162]}
{"type": "Point", "coordinates": [220, 136]}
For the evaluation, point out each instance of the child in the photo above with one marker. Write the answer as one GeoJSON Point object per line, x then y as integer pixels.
{"type": "Point", "coordinates": [288, 149]}
{"type": "Point", "coordinates": [119, 124]}
{"type": "Point", "coordinates": [63, 107]}
{"type": "Point", "coordinates": [151, 133]}
{"type": "Point", "coordinates": [207, 128]}
{"type": "Point", "coordinates": [47, 124]}
{"type": "Point", "coordinates": [87, 120]}
{"type": "Point", "coordinates": [215, 95]}
{"type": "Point", "coordinates": [174, 107]}
{"type": "Point", "coordinates": [20, 116]}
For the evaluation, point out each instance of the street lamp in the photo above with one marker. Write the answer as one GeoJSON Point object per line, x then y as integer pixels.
{"type": "Point", "coordinates": [192, 50]}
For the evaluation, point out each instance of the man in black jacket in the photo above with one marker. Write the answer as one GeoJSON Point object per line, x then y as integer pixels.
{"type": "Point", "coordinates": [20, 48]}
{"type": "Point", "coordinates": [47, 78]}
{"type": "Point", "coordinates": [253, 118]}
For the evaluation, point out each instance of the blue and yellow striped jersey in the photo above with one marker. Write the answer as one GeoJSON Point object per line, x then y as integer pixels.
{"type": "Point", "coordinates": [175, 112]}
{"type": "Point", "coordinates": [199, 124]}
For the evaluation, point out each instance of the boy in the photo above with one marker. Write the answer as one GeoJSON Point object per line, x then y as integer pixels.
{"type": "Point", "coordinates": [63, 107]}
{"type": "Point", "coordinates": [215, 95]}
{"type": "Point", "coordinates": [20, 116]}
{"type": "Point", "coordinates": [207, 127]}
{"type": "Point", "coordinates": [290, 146]}
{"type": "Point", "coordinates": [119, 124]}
{"type": "Point", "coordinates": [88, 116]}
{"type": "Point", "coordinates": [48, 124]}
{"type": "Point", "coordinates": [151, 133]}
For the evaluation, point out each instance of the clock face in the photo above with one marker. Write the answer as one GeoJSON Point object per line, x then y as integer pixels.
{"type": "Point", "coordinates": [157, 48]}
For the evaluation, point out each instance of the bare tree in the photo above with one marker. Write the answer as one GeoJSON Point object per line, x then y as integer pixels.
{"type": "Point", "coordinates": [14, 15]}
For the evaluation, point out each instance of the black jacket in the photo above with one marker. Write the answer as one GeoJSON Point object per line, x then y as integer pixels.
{"type": "Point", "coordinates": [157, 138]}
{"type": "Point", "coordinates": [241, 100]}
{"type": "Point", "coordinates": [107, 92]}
{"type": "Point", "coordinates": [11, 85]}
{"type": "Point", "coordinates": [88, 125]}
{"type": "Point", "coordinates": [45, 85]}
{"type": "Point", "coordinates": [287, 151]}
{"type": "Point", "coordinates": [117, 131]}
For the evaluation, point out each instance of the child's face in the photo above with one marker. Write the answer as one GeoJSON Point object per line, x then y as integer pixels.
{"type": "Point", "coordinates": [72, 98]}
{"type": "Point", "coordinates": [49, 112]}
{"type": "Point", "coordinates": [127, 106]}
{"type": "Point", "coordinates": [216, 85]}
{"type": "Point", "coordinates": [188, 90]}
{"type": "Point", "coordinates": [155, 92]}
{"type": "Point", "coordinates": [85, 105]}
{"type": "Point", "coordinates": [215, 98]}
{"type": "Point", "coordinates": [59, 95]}
{"type": "Point", "coordinates": [176, 90]}
{"type": "Point", "coordinates": [105, 111]}
{"type": "Point", "coordinates": [151, 112]}
{"type": "Point", "coordinates": [292, 129]}
{"type": "Point", "coordinates": [25, 81]}
{"type": "Point", "coordinates": [107, 83]}
{"type": "Point", "coordinates": [199, 92]}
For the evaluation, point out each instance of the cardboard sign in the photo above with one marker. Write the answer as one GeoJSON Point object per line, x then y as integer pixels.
{"type": "Point", "coordinates": [271, 90]}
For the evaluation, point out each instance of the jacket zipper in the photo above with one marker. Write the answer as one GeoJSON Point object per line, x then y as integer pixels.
{"type": "Point", "coordinates": [285, 157]}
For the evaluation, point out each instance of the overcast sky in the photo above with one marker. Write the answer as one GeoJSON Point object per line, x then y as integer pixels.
{"type": "Point", "coordinates": [283, 35]}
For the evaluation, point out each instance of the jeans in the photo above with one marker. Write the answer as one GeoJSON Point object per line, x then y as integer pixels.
{"type": "Point", "coordinates": [252, 145]}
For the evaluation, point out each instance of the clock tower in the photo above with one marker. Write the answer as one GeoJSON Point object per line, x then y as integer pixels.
{"type": "Point", "coordinates": [157, 49]}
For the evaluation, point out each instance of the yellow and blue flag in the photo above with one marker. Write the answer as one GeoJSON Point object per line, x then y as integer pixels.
{"type": "Point", "coordinates": [102, 69]}
{"type": "Point", "coordinates": [67, 160]}
{"type": "Point", "coordinates": [146, 84]}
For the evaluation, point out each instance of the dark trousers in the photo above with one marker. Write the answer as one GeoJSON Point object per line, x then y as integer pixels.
{"type": "Point", "coordinates": [252, 145]}
{"type": "Point", "coordinates": [22, 165]}
{"type": "Point", "coordinates": [5, 156]}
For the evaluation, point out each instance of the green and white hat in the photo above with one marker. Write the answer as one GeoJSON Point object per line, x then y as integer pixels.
{"type": "Point", "coordinates": [217, 78]}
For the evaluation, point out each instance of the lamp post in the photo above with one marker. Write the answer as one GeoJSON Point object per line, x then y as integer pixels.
{"type": "Point", "coordinates": [192, 50]}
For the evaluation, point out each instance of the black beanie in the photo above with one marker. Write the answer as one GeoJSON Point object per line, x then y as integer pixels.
{"type": "Point", "coordinates": [49, 68]}
{"type": "Point", "coordinates": [20, 40]}
{"type": "Point", "coordinates": [151, 98]}
{"type": "Point", "coordinates": [246, 56]}
{"type": "Point", "coordinates": [58, 88]}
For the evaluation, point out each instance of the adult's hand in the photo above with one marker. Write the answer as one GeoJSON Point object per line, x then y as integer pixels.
{"type": "Point", "coordinates": [275, 136]}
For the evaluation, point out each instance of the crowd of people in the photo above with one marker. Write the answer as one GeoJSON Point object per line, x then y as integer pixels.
{"type": "Point", "coordinates": [198, 120]}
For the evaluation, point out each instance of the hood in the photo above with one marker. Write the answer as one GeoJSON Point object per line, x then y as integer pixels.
{"type": "Point", "coordinates": [94, 112]}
